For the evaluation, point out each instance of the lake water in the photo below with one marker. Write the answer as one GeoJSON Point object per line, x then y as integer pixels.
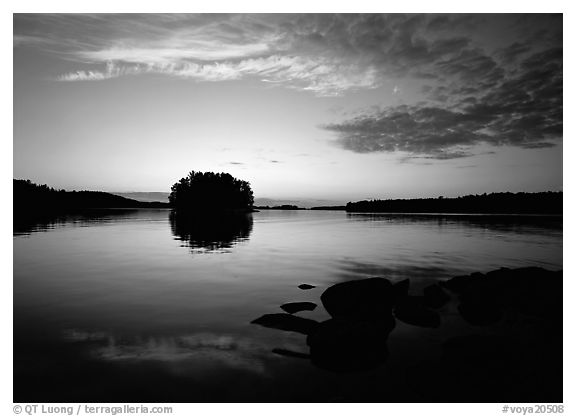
{"type": "Point", "coordinates": [132, 305]}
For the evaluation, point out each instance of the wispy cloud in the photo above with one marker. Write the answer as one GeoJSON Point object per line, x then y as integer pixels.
{"type": "Point", "coordinates": [478, 90]}
{"type": "Point", "coordinates": [20, 40]}
{"type": "Point", "coordinates": [322, 77]}
{"type": "Point", "coordinates": [325, 54]}
{"type": "Point", "coordinates": [165, 54]}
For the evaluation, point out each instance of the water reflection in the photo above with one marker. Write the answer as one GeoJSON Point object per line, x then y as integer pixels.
{"type": "Point", "coordinates": [515, 224]}
{"type": "Point", "coordinates": [24, 224]}
{"type": "Point", "coordinates": [190, 352]}
{"type": "Point", "coordinates": [211, 232]}
{"type": "Point", "coordinates": [151, 321]}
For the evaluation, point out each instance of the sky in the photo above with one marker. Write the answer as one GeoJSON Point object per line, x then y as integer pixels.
{"type": "Point", "coordinates": [324, 108]}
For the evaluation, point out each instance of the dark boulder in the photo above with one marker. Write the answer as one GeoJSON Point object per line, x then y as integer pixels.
{"type": "Point", "coordinates": [435, 297]}
{"type": "Point", "coordinates": [343, 345]}
{"type": "Point", "coordinates": [412, 310]}
{"type": "Point", "coordinates": [294, 307]}
{"type": "Point", "coordinates": [530, 290]}
{"type": "Point", "coordinates": [459, 284]}
{"type": "Point", "coordinates": [480, 314]}
{"type": "Point", "coordinates": [366, 300]}
{"type": "Point", "coordinates": [481, 303]}
{"type": "Point", "coordinates": [401, 289]}
{"type": "Point", "coordinates": [287, 322]}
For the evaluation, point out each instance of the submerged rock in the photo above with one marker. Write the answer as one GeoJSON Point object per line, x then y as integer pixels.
{"type": "Point", "coordinates": [343, 345]}
{"type": "Point", "coordinates": [306, 286]}
{"type": "Point", "coordinates": [287, 322]}
{"type": "Point", "coordinates": [294, 307]}
{"type": "Point", "coordinates": [365, 300]}
{"type": "Point", "coordinates": [412, 310]}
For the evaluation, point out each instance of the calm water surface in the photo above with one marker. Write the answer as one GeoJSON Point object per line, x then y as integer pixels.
{"type": "Point", "coordinates": [136, 306]}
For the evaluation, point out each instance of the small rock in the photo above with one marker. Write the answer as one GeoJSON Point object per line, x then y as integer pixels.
{"type": "Point", "coordinates": [294, 307]}
{"type": "Point", "coordinates": [287, 322]}
{"type": "Point", "coordinates": [306, 286]}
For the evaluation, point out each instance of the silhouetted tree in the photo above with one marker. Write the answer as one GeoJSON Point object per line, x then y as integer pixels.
{"type": "Point", "coordinates": [209, 191]}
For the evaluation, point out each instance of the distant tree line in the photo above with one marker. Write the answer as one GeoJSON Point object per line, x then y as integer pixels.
{"type": "Point", "coordinates": [209, 191]}
{"type": "Point", "coordinates": [329, 208]}
{"type": "Point", "coordinates": [494, 203]}
{"type": "Point", "coordinates": [283, 207]}
{"type": "Point", "coordinates": [32, 198]}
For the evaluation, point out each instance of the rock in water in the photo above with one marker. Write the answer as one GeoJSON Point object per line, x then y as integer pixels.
{"type": "Point", "coordinates": [481, 303]}
{"type": "Point", "coordinates": [306, 286]}
{"type": "Point", "coordinates": [287, 322]}
{"type": "Point", "coordinates": [529, 290]}
{"type": "Point", "coordinates": [294, 307]}
{"type": "Point", "coordinates": [459, 284]}
{"type": "Point", "coordinates": [401, 289]}
{"type": "Point", "coordinates": [343, 345]}
{"type": "Point", "coordinates": [480, 314]}
{"type": "Point", "coordinates": [435, 297]}
{"type": "Point", "coordinates": [412, 310]}
{"type": "Point", "coordinates": [364, 300]}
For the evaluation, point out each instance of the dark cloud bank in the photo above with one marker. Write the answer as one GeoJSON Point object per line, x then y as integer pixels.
{"type": "Point", "coordinates": [510, 96]}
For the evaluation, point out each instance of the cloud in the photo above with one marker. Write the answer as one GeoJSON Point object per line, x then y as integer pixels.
{"type": "Point", "coordinates": [28, 40]}
{"type": "Point", "coordinates": [523, 109]}
{"type": "Point", "coordinates": [165, 54]}
{"type": "Point", "coordinates": [111, 71]}
{"type": "Point", "coordinates": [509, 96]}
{"type": "Point", "coordinates": [440, 133]}
{"type": "Point", "coordinates": [322, 77]}
{"type": "Point", "coordinates": [326, 55]}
